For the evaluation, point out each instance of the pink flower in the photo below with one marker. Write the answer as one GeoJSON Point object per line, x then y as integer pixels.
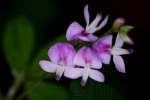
{"type": "Point", "coordinates": [104, 49]}
{"type": "Point", "coordinates": [76, 32]}
{"type": "Point", "coordinates": [88, 66]}
{"type": "Point", "coordinates": [61, 56]}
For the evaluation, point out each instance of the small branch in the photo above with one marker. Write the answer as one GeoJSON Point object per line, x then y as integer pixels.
{"type": "Point", "coordinates": [20, 97]}
{"type": "Point", "coordinates": [12, 91]}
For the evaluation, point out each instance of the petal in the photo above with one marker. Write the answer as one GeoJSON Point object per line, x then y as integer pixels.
{"type": "Point", "coordinates": [48, 66]}
{"type": "Point", "coordinates": [86, 14]}
{"type": "Point", "coordinates": [86, 57]}
{"type": "Point", "coordinates": [120, 51]}
{"type": "Point", "coordinates": [119, 63]}
{"type": "Point", "coordinates": [91, 37]}
{"type": "Point", "coordinates": [91, 28]}
{"type": "Point", "coordinates": [73, 30]}
{"type": "Point", "coordinates": [106, 40]}
{"type": "Point", "coordinates": [105, 58]}
{"type": "Point", "coordinates": [119, 41]}
{"type": "Point", "coordinates": [103, 23]}
{"type": "Point", "coordinates": [59, 72]}
{"type": "Point", "coordinates": [88, 38]}
{"type": "Point", "coordinates": [96, 75]}
{"type": "Point", "coordinates": [102, 48]}
{"type": "Point", "coordinates": [64, 56]}
{"type": "Point", "coordinates": [85, 75]}
{"type": "Point", "coordinates": [73, 73]}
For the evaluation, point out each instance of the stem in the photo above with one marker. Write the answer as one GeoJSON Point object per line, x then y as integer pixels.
{"type": "Point", "coordinates": [20, 97]}
{"type": "Point", "coordinates": [12, 91]}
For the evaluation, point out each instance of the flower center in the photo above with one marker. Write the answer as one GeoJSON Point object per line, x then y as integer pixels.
{"type": "Point", "coordinates": [84, 33]}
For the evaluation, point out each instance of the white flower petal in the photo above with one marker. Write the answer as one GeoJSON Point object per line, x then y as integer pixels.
{"type": "Point", "coordinates": [85, 75]}
{"type": "Point", "coordinates": [119, 63]}
{"type": "Point", "coordinates": [102, 24]}
{"type": "Point", "coordinates": [119, 41]}
{"type": "Point", "coordinates": [86, 15]}
{"type": "Point", "coordinates": [59, 72]}
{"type": "Point", "coordinates": [96, 75]}
{"type": "Point", "coordinates": [48, 66]}
{"type": "Point", "coordinates": [91, 28]}
{"type": "Point", "coordinates": [73, 73]}
{"type": "Point", "coordinates": [120, 51]}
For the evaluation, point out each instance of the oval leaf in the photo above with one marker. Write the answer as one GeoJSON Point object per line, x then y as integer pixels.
{"type": "Point", "coordinates": [18, 43]}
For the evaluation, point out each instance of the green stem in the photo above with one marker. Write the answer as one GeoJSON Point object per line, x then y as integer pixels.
{"type": "Point", "coordinates": [12, 91]}
{"type": "Point", "coordinates": [21, 96]}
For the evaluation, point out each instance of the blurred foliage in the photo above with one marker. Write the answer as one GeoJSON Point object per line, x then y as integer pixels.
{"type": "Point", "coordinates": [18, 44]}
{"type": "Point", "coordinates": [47, 91]}
{"type": "Point", "coordinates": [93, 91]}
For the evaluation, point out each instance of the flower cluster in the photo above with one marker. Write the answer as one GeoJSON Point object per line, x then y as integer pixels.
{"type": "Point", "coordinates": [88, 60]}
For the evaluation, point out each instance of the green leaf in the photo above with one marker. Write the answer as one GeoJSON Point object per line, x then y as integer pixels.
{"type": "Point", "coordinates": [47, 91]}
{"type": "Point", "coordinates": [125, 28]}
{"type": "Point", "coordinates": [93, 91]}
{"type": "Point", "coordinates": [18, 43]}
{"type": "Point", "coordinates": [35, 72]}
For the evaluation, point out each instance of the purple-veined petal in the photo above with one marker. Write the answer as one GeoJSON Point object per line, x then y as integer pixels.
{"type": "Point", "coordinates": [102, 48]}
{"type": "Point", "coordinates": [91, 28]}
{"type": "Point", "coordinates": [120, 51]}
{"type": "Point", "coordinates": [92, 37]}
{"type": "Point", "coordinates": [96, 75]}
{"type": "Point", "coordinates": [105, 58]}
{"type": "Point", "coordinates": [48, 66]}
{"type": "Point", "coordinates": [106, 40]}
{"type": "Point", "coordinates": [119, 63]}
{"type": "Point", "coordinates": [88, 38]}
{"type": "Point", "coordinates": [86, 15]}
{"type": "Point", "coordinates": [73, 73]}
{"type": "Point", "coordinates": [73, 30]}
{"type": "Point", "coordinates": [119, 41]}
{"type": "Point", "coordinates": [86, 57]}
{"type": "Point", "coordinates": [102, 24]}
{"type": "Point", "coordinates": [62, 53]}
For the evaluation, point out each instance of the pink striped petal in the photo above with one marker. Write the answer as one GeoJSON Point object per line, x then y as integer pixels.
{"type": "Point", "coordinates": [86, 57]}
{"type": "Point", "coordinates": [73, 30]}
{"type": "Point", "coordinates": [88, 38]}
{"type": "Point", "coordinates": [62, 53]}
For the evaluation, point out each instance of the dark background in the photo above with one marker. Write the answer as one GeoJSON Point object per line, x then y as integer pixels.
{"type": "Point", "coordinates": [136, 13]}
